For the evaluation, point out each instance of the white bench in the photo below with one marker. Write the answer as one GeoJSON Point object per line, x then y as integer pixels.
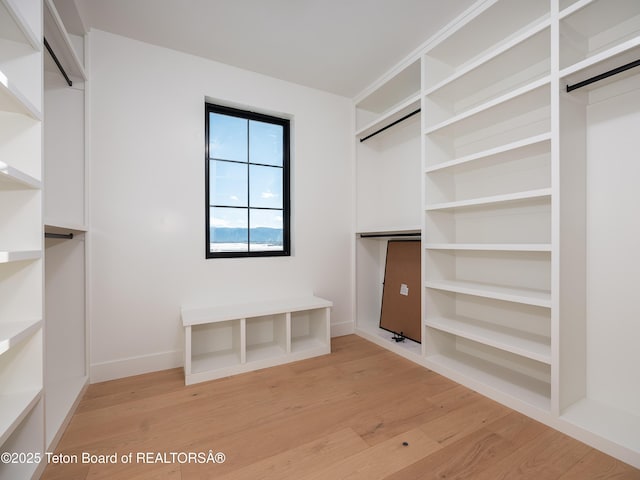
{"type": "Point", "coordinates": [224, 340]}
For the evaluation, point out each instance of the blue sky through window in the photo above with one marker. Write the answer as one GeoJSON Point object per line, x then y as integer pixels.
{"type": "Point", "coordinates": [265, 143]}
{"type": "Point", "coordinates": [233, 142]}
{"type": "Point", "coordinates": [228, 183]}
{"type": "Point", "coordinates": [227, 137]}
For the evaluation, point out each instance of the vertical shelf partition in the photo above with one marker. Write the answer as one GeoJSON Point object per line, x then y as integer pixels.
{"type": "Point", "coordinates": [21, 270]}
{"type": "Point", "coordinates": [66, 359]}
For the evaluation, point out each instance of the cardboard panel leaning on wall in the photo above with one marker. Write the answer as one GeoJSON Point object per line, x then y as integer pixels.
{"type": "Point", "coordinates": [402, 286]}
{"type": "Point", "coordinates": [147, 200]}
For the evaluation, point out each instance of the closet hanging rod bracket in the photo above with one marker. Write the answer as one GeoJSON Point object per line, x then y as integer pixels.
{"type": "Point", "coordinates": [390, 125]}
{"type": "Point", "coordinates": [602, 76]}
{"type": "Point", "coordinates": [58, 64]}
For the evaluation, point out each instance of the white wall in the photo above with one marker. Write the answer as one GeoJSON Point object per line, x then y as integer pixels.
{"type": "Point", "coordinates": [613, 258]}
{"type": "Point", "coordinates": [147, 208]}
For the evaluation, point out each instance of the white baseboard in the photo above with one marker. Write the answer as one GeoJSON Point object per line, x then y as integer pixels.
{"type": "Point", "coordinates": [126, 367]}
{"type": "Point", "coordinates": [340, 329]}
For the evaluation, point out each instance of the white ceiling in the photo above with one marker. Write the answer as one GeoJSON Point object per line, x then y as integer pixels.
{"type": "Point", "coordinates": [340, 46]}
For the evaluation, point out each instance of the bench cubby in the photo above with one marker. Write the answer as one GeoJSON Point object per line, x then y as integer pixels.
{"type": "Point", "coordinates": [223, 340]}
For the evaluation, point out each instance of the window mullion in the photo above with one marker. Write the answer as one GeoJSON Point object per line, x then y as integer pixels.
{"type": "Point", "coordinates": [248, 188]}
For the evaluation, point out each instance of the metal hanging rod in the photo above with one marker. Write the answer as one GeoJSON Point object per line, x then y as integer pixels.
{"type": "Point", "coordinates": [602, 76]}
{"type": "Point", "coordinates": [55, 59]}
{"type": "Point", "coordinates": [66, 236]}
{"type": "Point", "coordinates": [386, 235]}
{"type": "Point", "coordinates": [390, 125]}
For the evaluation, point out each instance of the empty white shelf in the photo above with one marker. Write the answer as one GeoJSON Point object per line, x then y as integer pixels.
{"type": "Point", "coordinates": [14, 408]}
{"type": "Point", "coordinates": [509, 294]}
{"type": "Point", "coordinates": [603, 61]}
{"type": "Point", "coordinates": [520, 343]}
{"type": "Point", "coordinates": [499, 247]}
{"type": "Point", "coordinates": [12, 177]}
{"type": "Point", "coordinates": [208, 361]}
{"type": "Point", "coordinates": [405, 108]}
{"type": "Point", "coordinates": [482, 60]}
{"type": "Point", "coordinates": [13, 26]}
{"type": "Point", "coordinates": [13, 333]}
{"type": "Point", "coordinates": [494, 199]}
{"type": "Point", "coordinates": [489, 378]}
{"type": "Point", "coordinates": [259, 352]}
{"type": "Point", "coordinates": [19, 256]}
{"type": "Point", "coordinates": [502, 149]}
{"type": "Point", "coordinates": [608, 422]}
{"type": "Point", "coordinates": [12, 100]}
{"type": "Point", "coordinates": [519, 92]}
{"type": "Point", "coordinates": [309, 342]}
{"type": "Point", "coordinates": [53, 226]}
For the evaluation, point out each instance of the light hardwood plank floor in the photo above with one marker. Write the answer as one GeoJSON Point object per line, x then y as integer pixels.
{"type": "Point", "coordinates": [360, 413]}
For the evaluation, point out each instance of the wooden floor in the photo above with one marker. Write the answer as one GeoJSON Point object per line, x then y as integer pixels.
{"type": "Point", "coordinates": [359, 413]}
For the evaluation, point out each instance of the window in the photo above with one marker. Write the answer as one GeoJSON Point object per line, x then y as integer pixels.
{"type": "Point", "coordinates": [247, 183]}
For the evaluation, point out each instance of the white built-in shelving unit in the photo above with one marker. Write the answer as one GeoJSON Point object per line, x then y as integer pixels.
{"type": "Point", "coordinates": [21, 245]}
{"type": "Point", "coordinates": [223, 340]}
{"type": "Point", "coordinates": [65, 213]}
{"type": "Point", "coordinates": [487, 190]}
{"type": "Point", "coordinates": [527, 209]}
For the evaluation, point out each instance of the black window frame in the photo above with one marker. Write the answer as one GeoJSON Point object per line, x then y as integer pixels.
{"type": "Point", "coordinates": [286, 184]}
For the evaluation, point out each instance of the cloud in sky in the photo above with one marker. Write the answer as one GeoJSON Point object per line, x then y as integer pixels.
{"type": "Point", "coordinates": [268, 194]}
